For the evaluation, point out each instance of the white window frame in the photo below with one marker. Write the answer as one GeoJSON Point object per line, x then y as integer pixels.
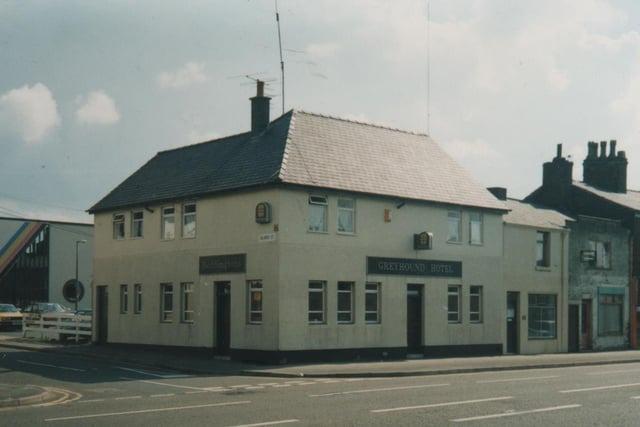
{"type": "Point", "coordinates": [118, 221]}
{"type": "Point", "coordinates": [545, 262]}
{"type": "Point", "coordinates": [255, 315]}
{"type": "Point", "coordinates": [451, 214]}
{"type": "Point", "coordinates": [137, 298]}
{"type": "Point", "coordinates": [164, 216]}
{"type": "Point", "coordinates": [454, 290]}
{"type": "Point", "coordinates": [351, 210]}
{"type": "Point", "coordinates": [476, 291]}
{"type": "Point", "coordinates": [124, 299]}
{"type": "Point", "coordinates": [317, 200]}
{"type": "Point", "coordinates": [350, 292]}
{"type": "Point", "coordinates": [602, 250]}
{"type": "Point", "coordinates": [135, 221]}
{"type": "Point", "coordinates": [531, 318]}
{"type": "Point", "coordinates": [186, 297]}
{"type": "Point", "coordinates": [166, 316]}
{"type": "Point", "coordinates": [314, 288]}
{"type": "Point", "coordinates": [372, 288]}
{"type": "Point", "coordinates": [186, 215]}
{"type": "Point", "coordinates": [480, 220]}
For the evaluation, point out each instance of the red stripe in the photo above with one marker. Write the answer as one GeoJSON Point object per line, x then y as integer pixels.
{"type": "Point", "coordinates": [21, 245]}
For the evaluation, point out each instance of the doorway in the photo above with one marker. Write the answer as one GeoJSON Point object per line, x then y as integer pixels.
{"type": "Point", "coordinates": [512, 322]}
{"type": "Point", "coordinates": [102, 317]}
{"type": "Point", "coordinates": [574, 328]}
{"type": "Point", "coordinates": [223, 317]}
{"type": "Point", "coordinates": [585, 328]}
{"type": "Point", "coordinates": [414, 319]}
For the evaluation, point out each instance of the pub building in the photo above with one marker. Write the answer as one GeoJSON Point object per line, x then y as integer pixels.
{"type": "Point", "coordinates": [306, 238]}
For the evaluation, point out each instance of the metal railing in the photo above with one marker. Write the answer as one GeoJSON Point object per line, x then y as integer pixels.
{"type": "Point", "coordinates": [58, 326]}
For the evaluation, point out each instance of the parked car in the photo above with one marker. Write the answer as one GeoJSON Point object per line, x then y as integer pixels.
{"type": "Point", "coordinates": [46, 307]}
{"type": "Point", "coordinates": [10, 316]}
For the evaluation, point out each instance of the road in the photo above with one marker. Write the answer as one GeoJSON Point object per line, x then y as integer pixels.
{"type": "Point", "coordinates": [104, 394]}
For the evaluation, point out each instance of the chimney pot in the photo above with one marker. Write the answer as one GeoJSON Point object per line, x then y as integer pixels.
{"type": "Point", "coordinates": [559, 151]}
{"type": "Point", "coordinates": [612, 147]}
{"type": "Point", "coordinates": [603, 149]}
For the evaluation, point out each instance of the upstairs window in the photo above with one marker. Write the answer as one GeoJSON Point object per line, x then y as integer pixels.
{"type": "Point", "coordinates": [189, 220]}
{"type": "Point", "coordinates": [318, 214]}
{"type": "Point", "coordinates": [475, 228]}
{"type": "Point", "coordinates": [118, 226]}
{"type": "Point", "coordinates": [542, 249]}
{"type": "Point", "coordinates": [346, 215]}
{"type": "Point", "coordinates": [454, 231]}
{"type": "Point", "coordinates": [168, 223]}
{"type": "Point", "coordinates": [475, 304]}
{"type": "Point", "coordinates": [603, 254]}
{"type": "Point", "coordinates": [137, 218]}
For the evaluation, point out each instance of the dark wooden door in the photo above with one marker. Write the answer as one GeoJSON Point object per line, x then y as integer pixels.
{"type": "Point", "coordinates": [102, 315]}
{"type": "Point", "coordinates": [574, 328]}
{"type": "Point", "coordinates": [223, 317]}
{"type": "Point", "coordinates": [512, 322]}
{"type": "Point", "coordinates": [414, 318]}
{"type": "Point", "coordinates": [586, 327]}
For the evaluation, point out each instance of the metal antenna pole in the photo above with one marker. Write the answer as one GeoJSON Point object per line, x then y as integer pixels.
{"type": "Point", "coordinates": [428, 68]}
{"type": "Point", "coordinates": [281, 60]}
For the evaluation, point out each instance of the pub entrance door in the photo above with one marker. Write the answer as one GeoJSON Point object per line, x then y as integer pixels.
{"type": "Point", "coordinates": [414, 319]}
{"type": "Point", "coordinates": [223, 317]}
{"type": "Point", "coordinates": [512, 322]}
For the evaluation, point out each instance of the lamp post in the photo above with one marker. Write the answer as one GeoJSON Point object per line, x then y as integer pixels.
{"type": "Point", "coordinates": [77, 284]}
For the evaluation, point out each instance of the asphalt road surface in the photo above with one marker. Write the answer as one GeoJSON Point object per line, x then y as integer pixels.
{"type": "Point", "coordinates": [104, 394]}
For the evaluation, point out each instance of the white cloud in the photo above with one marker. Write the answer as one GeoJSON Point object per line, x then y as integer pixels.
{"type": "Point", "coordinates": [29, 111]}
{"type": "Point", "coordinates": [191, 73]}
{"type": "Point", "coordinates": [97, 108]}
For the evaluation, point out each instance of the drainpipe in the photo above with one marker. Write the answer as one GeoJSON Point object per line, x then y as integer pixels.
{"type": "Point", "coordinates": [564, 278]}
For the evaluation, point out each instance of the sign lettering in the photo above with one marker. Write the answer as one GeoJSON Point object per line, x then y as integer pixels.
{"type": "Point", "coordinates": [218, 264]}
{"type": "Point", "coordinates": [413, 267]}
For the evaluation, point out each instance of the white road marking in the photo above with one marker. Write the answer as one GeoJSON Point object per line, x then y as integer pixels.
{"type": "Point", "coordinates": [51, 366]}
{"type": "Point", "coordinates": [196, 391]}
{"type": "Point", "coordinates": [168, 385]}
{"type": "Point", "coordinates": [268, 384]}
{"type": "Point", "coordinates": [239, 386]}
{"type": "Point", "coordinates": [504, 380]}
{"type": "Point", "coordinates": [437, 405]}
{"type": "Point", "coordinates": [91, 400]}
{"type": "Point", "coordinates": [373, 390]}
{"type": "Point", "coordinates": [514, 413]}
{"type": "Point", "coordinates": [255, 387]}
{"type": "Point", "coordinates": [604, 387]}
{"type": "Point", "coordinates": [128, 397]}
{"type": "Point", "coordinates": [151, 374]}
{"type": "Point", "coordinates": [308, 383]}
{"type": "Point", "coordinates": [621, 371]}
{"type": "Point", "coordinates": [163, 395]}
{"type": "Point", "coordinates": [635, 397]}
{"type": "Point", "coordinates": [282, 385]}
{"type": "Point", "coordinates": [144, 411]}
{"type": "Point", "coordinates": [269, 423]}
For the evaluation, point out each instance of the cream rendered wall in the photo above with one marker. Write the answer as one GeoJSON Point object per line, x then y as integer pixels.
{"type": "Point", "coordinates": [522, 275]}
{"type": "Point", "coordinates": [62, 261]}
{"type": "Point", "coordinates": [225, 225]}
{"type": "Point", "coordinates": [334, 257]}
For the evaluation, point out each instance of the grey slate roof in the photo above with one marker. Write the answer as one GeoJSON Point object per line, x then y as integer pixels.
{"type": "Point", "coordinates": [630, 199]}
{"type": "Point", "coordinates": [531, 215]}
{"type": "Point", "coordinates": [312, 150]}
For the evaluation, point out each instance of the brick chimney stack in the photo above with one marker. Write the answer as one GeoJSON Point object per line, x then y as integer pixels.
{"type": "Point", "coordinates": [608, 173]}
{"type": "Point", "coordinates": [259, 109]}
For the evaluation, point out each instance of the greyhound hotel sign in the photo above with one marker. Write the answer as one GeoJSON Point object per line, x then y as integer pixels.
{"type": "Point", "coordinates": [413, 267]}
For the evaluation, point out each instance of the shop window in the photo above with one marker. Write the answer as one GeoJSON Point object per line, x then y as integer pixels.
{"type": "Point", "coordinates": [317, 301]}
{"type": "Point", "coordinates": [542, 316]}
{"type": "Point", "coordinates": [610, 314]}
{"type": "Point", "coordinates": [124, 299]}
{"type": "Point", "coordinates": [189, 221]}
{"type": "Point", "coordinates": [166, 303]}
{"type": "Point", "coordinates": [603, 254]}
{"type": "Point", "coordinates": [542, 249]}
{"type": "Point", "coordinates": [454, 303]}
{"type": "Point", "coordinates": [454, 233]}
{"type": "Point", "coordinates": [346, 216]}
{"type": "Point", "coordinates": [168, 223]}
{"type": "Point", "coordinates": [255, 301]}
{"type": "Point", "coordinates": [137, 219]}
{"type": "Point", "coordinates": [318, 214]}
{"type": "Point", "coordinates": [475, 228]}
{"type": "Point", "coordinates": [137, 298]}
{"type": "Point", "coordinates": [475, 304]}
{"type": "Point", "coordinates": [118, 226]}
{"type": "Point", "coordinates": [345, 302]}
{"type": "Point", "coordinates": [372, 303]}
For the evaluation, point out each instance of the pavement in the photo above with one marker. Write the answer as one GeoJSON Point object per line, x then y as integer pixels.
{"type": "Point", "coordinates": [194, 362]}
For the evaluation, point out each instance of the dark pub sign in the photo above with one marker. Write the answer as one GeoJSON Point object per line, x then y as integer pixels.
{"type": "Point", "coordinates": [219, 264]}
{"type": "Point", "coordinates": [413, 267]}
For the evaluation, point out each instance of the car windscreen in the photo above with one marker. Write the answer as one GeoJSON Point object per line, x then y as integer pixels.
{"type": "Point", "coordinates": [8, 308]}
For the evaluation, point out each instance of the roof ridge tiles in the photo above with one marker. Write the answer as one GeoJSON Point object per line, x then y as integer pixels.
{"type": "Point", "coordinates": [360, 122]}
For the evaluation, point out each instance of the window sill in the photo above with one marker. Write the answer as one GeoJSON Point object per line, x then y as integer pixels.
{"type": "Point", "coordinates": [542, 338]}
{"type": "Point", "coordinates": [372, 323]}
{"type": "Point", "coordinates": [476, 322]}
{"type": "Point", "coordinates": [345, 233]}
{"type": "Point", "coordinates": [166, 321]}
{"type": "Point", "coordinates": [317, 232]}
{"type": "Point", "coordinates": [167, 240]}
{"type": "Point", "coordinates": [540, 268]}
{"type": "Point", "coordinates": [346, 323]}
{"type": "Point", "coordinates": [457, 322]}
{"type": "Point", "coordinates": [187, 322]}
{"type": "Point", "coordinates": [476, 244]}
{"type": "Point", "coordinates": [454, 242]}
{"type": "Point", "coordinates": [188, 238]}
{"type": "Point", "coordinates": [317, 323]}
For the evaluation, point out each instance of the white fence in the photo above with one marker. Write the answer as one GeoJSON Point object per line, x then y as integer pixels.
{"type": "Point", "coordinates": [56, 326]}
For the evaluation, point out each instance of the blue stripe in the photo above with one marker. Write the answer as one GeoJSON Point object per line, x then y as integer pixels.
{"type": "Point", "coordinates": [13, 238]}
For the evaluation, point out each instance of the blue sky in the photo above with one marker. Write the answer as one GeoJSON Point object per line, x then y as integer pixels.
{"type": "Point", "coordinates": [89, 91]}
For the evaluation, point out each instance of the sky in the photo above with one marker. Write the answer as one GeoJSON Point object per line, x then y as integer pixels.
{"type": "Point", "coordinates": [89, 91]}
